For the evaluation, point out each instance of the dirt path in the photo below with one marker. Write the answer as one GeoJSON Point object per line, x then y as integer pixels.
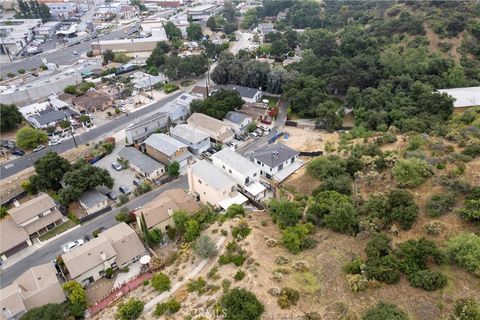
{"type": "Point", "coordinates": [149, 306]}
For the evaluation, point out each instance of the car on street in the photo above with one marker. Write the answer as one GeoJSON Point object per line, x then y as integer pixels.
{"type": "Point", "coordinates": [75, 53]}
{"type": "Point", "coordinates": [124, 189]}
{"type": "Point", "coordinates": [254, 135]}
{"type": "Point", "coordinates": [54, 142]}
{"type": "Point", "coordinates": [111, 195]}
{"type": "Point", "coordinates": [39, 148]}
{"type": "Point", "coordinates": [18, 152]}
{"type": "Point", "coordinates": [117, 166]}
{"type": "Point", "coordinates": [72, 245]}
{"type": "Point", "coordinates": [123, 110]}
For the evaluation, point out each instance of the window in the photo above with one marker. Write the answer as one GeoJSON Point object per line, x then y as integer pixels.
{"type": "Point", "coordinates": [146, 129]}
{"type": "Point", "coordinates": [200, 181]}
{"type": "Point", "coordinates": [292, 160]}
{"type": "Point", "coordinates": [258, 162]}
{"type": "Point", "coordinates": [255, 174]}
{"type": "Point", "coordinates": [223, 167]}
{"type": "Point", "coordinates": [229, 170]}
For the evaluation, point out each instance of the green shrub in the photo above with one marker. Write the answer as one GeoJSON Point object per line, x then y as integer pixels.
{"type": "Point", "coordinates": [235, 210]}
{"type": "Point", "coordinates": [234, 254]}
{"type": "Point", "coordinates": [239, 275]}
{"type": "Point", "coordinates": [354, 266]}
{"type": "Point", "coordinates": [428, 280]}
{"type": "Point", "coordinates": [197, 286]}
{"type": "Point", "coordinates": [440, 204]}
{"type": "Point", "coordinates": [123, 198]}
{"type": "Point", "coordinates": [288, 297]}
{"type": "Point", "coordinates": [240, 304]}
{"type": "Point", "coordinates": [170, 87]}
{"type": "Point", "coordinates": [464, 250]}
{"type": "Point", "coordinates": [170, 307]}
{"type": "Point", "coordinates": [385, 311]}
{"type": "Point", "coordinates": [241, 230]}
{"type": "Point", "coordinates": [130, 310]}
{"type": "Point", "coordinates": [160, 282]}
{"type": "Point", "coordinates": [465, 309]}
{"type": "Point", "coordinates": [109, 273]}
{"type": "Point", "coordinates": [411, 172]}
{"type": "Point", "coordinates": [297, 238]}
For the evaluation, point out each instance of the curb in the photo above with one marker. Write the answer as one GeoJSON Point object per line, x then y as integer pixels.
{"type": "Point", "coordinates": [43, 243]}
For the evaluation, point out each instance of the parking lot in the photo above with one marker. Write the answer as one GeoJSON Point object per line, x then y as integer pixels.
{"type": "Point", "coordinates": [124, 177]}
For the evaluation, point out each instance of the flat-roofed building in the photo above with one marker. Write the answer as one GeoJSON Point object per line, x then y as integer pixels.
{"type": "Point", "coordinates": [196, 140]}
{"type": "Point", "coordinates": [141, 163]}
{"type": "Point", "coordinates": [142, 128]}
{"type": "Point", "coordinates": [216, 129]}
{"type": "Point", "coordinates": [464, 98]}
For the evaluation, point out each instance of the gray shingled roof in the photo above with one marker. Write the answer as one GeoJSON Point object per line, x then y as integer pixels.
{"type": "Point", "coordinates": [51, 115]}
{"type": "Point", "coordinates": [139, 159]}
{"type": "Point", "coordinates": [243, 91]}
{"type": "Point", "coordinates": [274, 154]}
{"type": "Point", "coordinates": [92, 198]}
{"type": "Point", "coordinates": [236, 117]}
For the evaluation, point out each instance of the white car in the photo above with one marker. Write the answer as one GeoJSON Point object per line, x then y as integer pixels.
{"type": "Point", "coordinates": [75, 53]}
{"type": "Point", "coordinates": [72, 245]}
{"type": "Point", "coordinates": [54, 142]}
{"type": "Point", "coordinates": [123, 110]}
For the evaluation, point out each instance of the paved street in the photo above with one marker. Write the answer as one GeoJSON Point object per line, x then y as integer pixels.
{"type": "Point", "coordinates": [107, 220]}
{"type": "Point", "coordinates": [62, 56]}
{"type": "Point", "coordinates": [27, 160]}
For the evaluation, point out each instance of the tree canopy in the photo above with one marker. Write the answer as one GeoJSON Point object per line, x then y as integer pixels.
{"type": "Point", "coordinates": [30, 138]}
{"type": "Point", "coordinates": [10, 117]}
{"type": "Point", "coordinates": [218, 104]}
{"type": "Point", "coordinates": [240, 304]}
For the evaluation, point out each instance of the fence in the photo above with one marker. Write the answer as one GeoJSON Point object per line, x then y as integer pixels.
{"type": "Point", "coordinates": [310, 154]}
{"type": "Point", "coordinates": [94, 215]}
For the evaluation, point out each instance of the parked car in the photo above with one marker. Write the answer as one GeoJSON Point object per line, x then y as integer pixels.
{"type": "Point", "coordinates": [39, 148]}
{"type": "Point", "coordinates": [123, 110]}
{"type": "Point", "coordinates": [18, 152]}
{"type": "Point", "coordinates": [137, 182]}
{"type": "Point", "coordinates": [117, 166]}
{"type": "Point", "coordinates": [254, 135]}
{"type": "Point", "coordinates": [8, 144]}
{"type": "Point", "coordinates": [75, 52]}
{"type": "Point", "coordinates": [111, 195]}
{"type": "Point", "coordinates": [54, 142]}
{"type": "Point", "coordinates": [72, 245]}
{"type": "Point", "coordinates": [124, 189]}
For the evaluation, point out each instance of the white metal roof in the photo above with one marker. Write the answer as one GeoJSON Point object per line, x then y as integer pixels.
{"type": "Point", "coordinates": [238, 199]}
{"type": "Point", "coordinates": [255, 188]}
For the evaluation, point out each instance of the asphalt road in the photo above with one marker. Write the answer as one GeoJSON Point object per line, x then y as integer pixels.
{"type": "Point", "coordinates": [12, 167]}
{"type": "Point", "coordinates": [63, 56]}
{"type": "Point", "coordinates": [52, 249]}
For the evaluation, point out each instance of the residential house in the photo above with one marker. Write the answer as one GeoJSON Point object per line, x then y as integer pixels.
{"type": "Point", "coordinates": [211, 186]}
{"type": "Point", "coordinates": [250, 95]}
{"type": "Point", "coordinates": [264, 29]}
{"type": "Point", "coordinates": [201, 13]}
{"type": "Point", "coordinates": [464, 97]}
{"type": "Point", "coordinates": [13, 238]}
{"type": "Point", "coordinates": [63, 10]}
{"type": "Point", "coordinates": [158, 212]}
{"type": "Point", "coordinates": [256, 111]}
{"type": "Point", "coordinates": [141, 129]}
{"type": "Point", "coordinates": [245, 173]}
{"type": "Point", "coordinates": [38, 286]}
{"type": "Point", "coordinates": [238, 121]}
{"type": "Point", "coordinates": [92, 101]}
{"type": "Point", "coordinates": [87, 263]}
{"type": "Point", "coordinates": [47, 114]}
{"type": "Point", "coordinates": [196, 140]}
{"type": "Point", "coordinates": [93, 201]}
{"type": "Point", "coordinates": [37, 216]}
{"type": "Point", "coordinates": [216, 129]}
{"type": "Point", "coordinates": [199, 91]}
{"type": "Point", "coordinates": [277, 161]}
{"type": "Point", "coordinates": [179, 109]}
{"type": "Point", "coordinates": [126, 243]}
{"type": "Point", "coordinates": [142, 81]}
{"type": "Point", "coordinates": [142, 163]}
{"type": "Point", "coordinates": [166, 149]}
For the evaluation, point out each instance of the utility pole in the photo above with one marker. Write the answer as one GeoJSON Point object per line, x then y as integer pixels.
{"type": "Point", "coordinates": [71, 130]}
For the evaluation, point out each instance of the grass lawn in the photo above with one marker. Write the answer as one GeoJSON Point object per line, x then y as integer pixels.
{"type": "Point", "coordinates": [57, 230]}
{"type": "Point", "coordinates": [272, 101]}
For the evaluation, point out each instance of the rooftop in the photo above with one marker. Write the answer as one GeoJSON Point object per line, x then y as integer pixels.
{"type": "Point", "coordinates": [169, 201]}
{"type": "Point", "coordinates": [140, 160]}
{"type": "Point", "coordinates": [464, 97]}
{"type": "Point", "coordinates": [211, 175]}
{"type": "Point", "coordinates": [32, 208]}
{"type": "Point", "coordinates": [244, 92]}
{"type": "Point", "coordinates": [149, 118]}
{"type": "Point", "coordinates": [235, 161]}
{"type": "Point", "coordinates": [91, 254]}
{"type": "Point", "coordinates": [274, 154]}
{"type": "Point", "coordinates": [206, 123]}
{"type": "Point", "coordinates": [11, 234]}
{"type": "Point", "coordinates": [125, 242]}
{"type": "Point", "coordinates": [91, 198]}
{"type": "Point", "coordinates": [164, 143]}
{"type": "Point", "coordinates": [236, 117]}
{"type": "Point", "coordinates": [189, 133]}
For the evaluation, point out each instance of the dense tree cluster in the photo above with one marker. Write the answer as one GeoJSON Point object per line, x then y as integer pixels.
{"type": "Point", "coordinates": [10, 117]}
{"type": "Point", "coordinates": [32, 10]}
{"type": "Point", "coordinates": [218, 104]}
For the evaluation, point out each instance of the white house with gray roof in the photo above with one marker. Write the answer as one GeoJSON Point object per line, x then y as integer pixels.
{"type": "Point", "coordinates": [142, 163]}
{"type": "Point", "coordinates": [142, 128]}
{"type": "Point", "coordinates": [179, 109]}
{"type": "Point", "coordinates": [238, 121]}
{"type": "Point", "coordinates": [276, 161]}
{"type": "Point", "coordinates": [245, 173]}
{"type": "Point", "coordinates": [212, 186]}
{"type": "Point", "coordinates": [93, 201]}
{"type": "Point", "coordinates": [167, 150]}
{"type": "Point", "coordinates": [250, 95]}
{"type": "Point", "coordinates": [197, 140]}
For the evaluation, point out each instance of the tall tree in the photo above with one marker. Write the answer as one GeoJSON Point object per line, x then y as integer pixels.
{"type": "Point", "coordinates": [172, 31]}
{"type": "Point", "coordinates": [50, 170]}
{"type": "Point", "coordinates": [10, 117]}
{"type": "Point", "coordinates": [194, 31]}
